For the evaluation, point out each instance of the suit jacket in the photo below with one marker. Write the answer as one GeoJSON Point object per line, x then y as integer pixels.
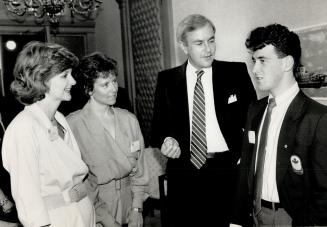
{"type": "Point", "coordinates": [171, 111]}
{"type": "Point", "coordinates": [302, 189]}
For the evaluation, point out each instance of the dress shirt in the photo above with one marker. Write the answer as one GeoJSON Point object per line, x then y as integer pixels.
{"type": "Point", "coordinates": [215, 139]}
{"type": "Point", "coordinates": [269, 187]}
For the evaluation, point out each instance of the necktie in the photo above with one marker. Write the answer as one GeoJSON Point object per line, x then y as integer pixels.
{"type": "Point", "coordinates": [198, 138]}
{"type": "Point", "coordinates": [261, 157]}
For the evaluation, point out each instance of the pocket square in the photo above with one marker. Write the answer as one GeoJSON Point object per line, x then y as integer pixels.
{"type": "Point", "coordinates": [232, 98]}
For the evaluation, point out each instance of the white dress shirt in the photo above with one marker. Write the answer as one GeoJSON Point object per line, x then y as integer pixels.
{"type": "Point", "coordinates": [215, 139]}
{"type": "Point", "coordinates": [269, 187]}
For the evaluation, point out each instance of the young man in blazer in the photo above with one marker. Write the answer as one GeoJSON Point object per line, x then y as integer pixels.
{"type": "Point", "coordinates": [227, 90]}
{"type": "Point", "coordinates": [293, 190]}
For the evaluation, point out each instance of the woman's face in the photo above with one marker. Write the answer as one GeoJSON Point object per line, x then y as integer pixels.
{"type": "Point", "coordinates": [105, 90]}
{"type": "Point", "coordinates": [60, 86]}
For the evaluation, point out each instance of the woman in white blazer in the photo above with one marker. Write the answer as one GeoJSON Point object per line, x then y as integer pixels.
{"type": "Point", "coordinates": [39, 149]}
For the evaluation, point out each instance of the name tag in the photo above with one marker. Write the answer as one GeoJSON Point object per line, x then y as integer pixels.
{"type": "Point", "coordinates": [135, 146]}
{"type": "Point", "coordinates": [251, 135]}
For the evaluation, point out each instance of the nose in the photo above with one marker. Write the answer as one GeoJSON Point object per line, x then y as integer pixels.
{"type": "Point", "coordinates": [113, 87]}
{"type": "Point", "coordinates": [207, 47]}
{"type": "Point", "coordinates": [255, 68]}
{"type": "Point", "coordinates": [71, 79]}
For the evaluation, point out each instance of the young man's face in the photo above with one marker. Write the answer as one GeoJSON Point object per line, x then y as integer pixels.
{"type": "Point", "coordinates": [200, 46]}
{"type": "Point", "coordinates": [268, 70]}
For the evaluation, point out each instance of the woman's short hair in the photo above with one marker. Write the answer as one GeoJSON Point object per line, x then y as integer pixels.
{"type": "Point", "coordinates": [36, 64]}
{"type": "Point", "coordinates": [191, 23]}
{"type": "Point", "coordinates": [94, 66]}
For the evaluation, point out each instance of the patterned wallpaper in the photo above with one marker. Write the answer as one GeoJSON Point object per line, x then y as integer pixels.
{"type": "Point", "coordinates": [147, 57]}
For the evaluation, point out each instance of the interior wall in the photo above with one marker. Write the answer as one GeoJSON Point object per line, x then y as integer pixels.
{"type": "Point", "coordinates": [234, 19]}
{"type": "Point", "coordinates": [108, 37]}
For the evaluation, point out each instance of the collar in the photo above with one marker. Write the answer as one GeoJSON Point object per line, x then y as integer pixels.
{"type": "Point", "coordinates": [191, 70]}
{"type": "Point", "coordinates": [287, 95]}
{"type": "Point", "coordinates": [43, 119]}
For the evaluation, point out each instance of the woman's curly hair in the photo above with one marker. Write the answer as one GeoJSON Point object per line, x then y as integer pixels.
{"type": "Point", "coordinates": [92, 67]}
{"type": "Point", "coordinates": [36, 64]}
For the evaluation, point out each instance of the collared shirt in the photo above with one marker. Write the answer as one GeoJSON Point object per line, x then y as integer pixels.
{"type": "Point", "coordinates": [215, 139]}
{"type": "Point", "coordinates": [269, 187]}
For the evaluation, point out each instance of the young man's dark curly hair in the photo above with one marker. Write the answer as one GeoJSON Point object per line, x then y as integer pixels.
{"type": "Point", "coordinates": [285, 41]}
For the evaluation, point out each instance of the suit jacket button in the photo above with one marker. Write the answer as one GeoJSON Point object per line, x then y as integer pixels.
{"type": "Point", "coordinates": [285, 146]}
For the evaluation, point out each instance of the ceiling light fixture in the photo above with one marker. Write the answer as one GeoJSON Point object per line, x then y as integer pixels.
{"type": "Point", "coordinates": [53, 9]}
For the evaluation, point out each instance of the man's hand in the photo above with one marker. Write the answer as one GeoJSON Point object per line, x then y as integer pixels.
{"type": "Point", "coordinates": [170, 148]}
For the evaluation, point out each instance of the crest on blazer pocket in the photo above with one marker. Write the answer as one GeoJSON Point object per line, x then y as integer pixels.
{"type": "Point", "coordinates": [296, 164]}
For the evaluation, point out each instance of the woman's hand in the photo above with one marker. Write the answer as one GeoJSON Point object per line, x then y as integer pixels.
{"type": "Point", "coordinates": [135, 219]}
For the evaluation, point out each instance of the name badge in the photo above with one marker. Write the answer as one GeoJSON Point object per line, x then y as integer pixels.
{"type": "Point", "coordinates": [135, 146]}
{"type": "Point", "coordinates": [296, 164]}
{"type": "Point", "coordinates": [251, 135]}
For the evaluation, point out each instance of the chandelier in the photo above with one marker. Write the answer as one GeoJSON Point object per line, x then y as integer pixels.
{"type": "Point", "coordinates": [53, 9]}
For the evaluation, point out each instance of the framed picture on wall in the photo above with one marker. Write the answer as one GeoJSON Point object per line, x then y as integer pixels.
{"type": "Point", "coordinates": [312, 76]}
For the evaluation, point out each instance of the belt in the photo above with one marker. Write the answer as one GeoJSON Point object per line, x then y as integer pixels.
{"type": "Point", "coordinates": [118, 184]}
{"type": "Point", "coordinates": [270, 205]}
{"type": "Point", "coordinates": [122, 183]}
{"type": "Point", "coordinates": [75, 194]}
{"type": "Point", "coordinates": [216, 154]}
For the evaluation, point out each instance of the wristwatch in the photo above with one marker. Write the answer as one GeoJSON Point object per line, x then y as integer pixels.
{"type": "Point", "coordinates": [137, 209]}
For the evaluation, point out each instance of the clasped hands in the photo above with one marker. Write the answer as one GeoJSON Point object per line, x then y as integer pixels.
{"type": "Point", "coordinates": [170, 148]}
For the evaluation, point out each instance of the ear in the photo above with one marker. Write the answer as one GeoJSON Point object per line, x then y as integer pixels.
{"type": "Point", "coordinates": [183, 46]}
{"type": "Point", "coordinates": [288, 63]}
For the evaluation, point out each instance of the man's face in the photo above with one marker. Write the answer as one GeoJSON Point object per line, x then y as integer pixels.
{"type": "Point", "coordinates": [268, 70]}
{"type": "Point", "coordinates": [200, 46]}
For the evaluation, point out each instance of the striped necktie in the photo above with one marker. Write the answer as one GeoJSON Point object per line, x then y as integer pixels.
{"type": "Point", "coordinates": [198, 138]}
{"type": "Point", "coordinates": [261, 157]}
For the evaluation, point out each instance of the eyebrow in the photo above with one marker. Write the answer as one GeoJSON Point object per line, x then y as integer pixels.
{"type": "Point", "coordinates": [259, 57]}
{"type": "Point", "coordinates": [202, 40]}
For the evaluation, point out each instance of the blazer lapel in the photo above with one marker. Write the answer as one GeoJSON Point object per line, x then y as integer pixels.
{"type": "Point", "coordinates": [181, 103]}
{"type": "Point", "coordinates": [219, 90]}
{"type": "Point", "coordinates": [286, 136]}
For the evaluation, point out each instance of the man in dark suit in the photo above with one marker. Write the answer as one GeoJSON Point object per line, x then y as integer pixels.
{"type": "Point", "coordinates": [283, 181]}
{"type": "Point", "coordinates": [199, 117]}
